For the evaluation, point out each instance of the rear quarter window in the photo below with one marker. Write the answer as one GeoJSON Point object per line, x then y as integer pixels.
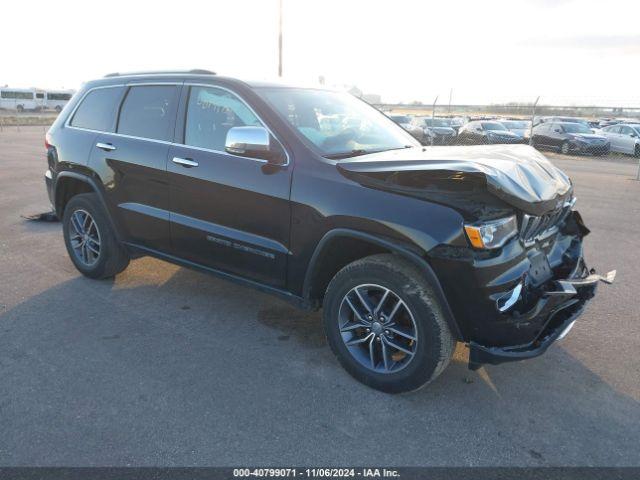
{"type": "Point", "coordinates": [97, 109]}
{"type": "Point", "coordinates": [148, 112]}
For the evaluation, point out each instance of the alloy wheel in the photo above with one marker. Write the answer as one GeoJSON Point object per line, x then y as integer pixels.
{"type": "Point", "coordinates": [378, 328]}
{"type": "Point", "coordinates": [84, 237]}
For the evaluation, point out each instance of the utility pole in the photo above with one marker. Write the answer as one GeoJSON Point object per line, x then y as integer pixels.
{"type": "Point", "coordinates": [433, 109]}
{"type": "Point", "coordinates": [533, 116]}
{"type": "Point", "coordinates": [279, 38]}
{"type": "Point", "coordinates": [450, 94]}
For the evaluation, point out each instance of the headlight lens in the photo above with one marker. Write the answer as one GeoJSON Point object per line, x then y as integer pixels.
{"type": "Point", "coordinates": [492, 234]}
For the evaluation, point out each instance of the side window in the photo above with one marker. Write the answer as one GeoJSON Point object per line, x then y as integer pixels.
{"type": "Point", "coordinates": [626, 131]}
{"type": "Point", "coordinates": [97, 109]}
{"type": "Point", "coordinates": [148, 112]}
{"type": "Point", "coordinates": [211, 112]}
{"type": "Point", "coordinates": [615, 129]}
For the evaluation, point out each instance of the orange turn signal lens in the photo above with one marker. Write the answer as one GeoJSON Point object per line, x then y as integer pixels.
{"type": "Point", "coordinates": [475, 237]}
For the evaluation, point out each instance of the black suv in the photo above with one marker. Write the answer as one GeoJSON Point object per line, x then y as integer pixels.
{"type": "Point", "coordinates": [315, 196]}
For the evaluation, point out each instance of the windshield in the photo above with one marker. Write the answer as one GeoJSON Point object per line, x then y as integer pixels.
{"type": "Point", "coordinates": [337, 123]}
{"type": "Point", "coordinates": [575, 128]}
{"type": "Point", "coordinates": [516, 125]}
{"type": "Point", "coordinates": [436, 122]}
{"type": "Point", "coordinates": [492, 126]}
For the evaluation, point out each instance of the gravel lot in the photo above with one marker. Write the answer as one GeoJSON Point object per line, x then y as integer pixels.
{"type": "Point", "coordinates": [165, 366]}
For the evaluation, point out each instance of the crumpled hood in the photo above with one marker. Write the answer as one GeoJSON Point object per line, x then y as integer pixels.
{"type": "Point", "coordinates": [517, 174]}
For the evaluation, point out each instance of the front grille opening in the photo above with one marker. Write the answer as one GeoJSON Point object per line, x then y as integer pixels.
{"type": "Point", "coordinates": [534, 227]}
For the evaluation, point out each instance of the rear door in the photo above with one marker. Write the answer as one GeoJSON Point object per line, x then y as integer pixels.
{"type": "Point", "coordinates": [132, 163]}
{"type": "Point", "coordinates": [228, 212]}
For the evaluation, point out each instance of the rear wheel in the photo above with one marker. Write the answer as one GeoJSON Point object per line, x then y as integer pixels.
{"type": "Point", "coordinates": [385, 325]}
{"type": "Point", "coordinates": [636, 152]}
{"type": "Point", "coordinates": [20, 108]}
{"type": "Point", "coordinates": [90, 239]}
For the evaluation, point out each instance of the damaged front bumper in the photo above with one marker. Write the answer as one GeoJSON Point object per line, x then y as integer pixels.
{"type": "Point", "coordinates": [558, 308]}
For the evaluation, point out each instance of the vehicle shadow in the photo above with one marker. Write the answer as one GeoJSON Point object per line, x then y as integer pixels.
{"type": "Point", "coordinates": [127, 370]}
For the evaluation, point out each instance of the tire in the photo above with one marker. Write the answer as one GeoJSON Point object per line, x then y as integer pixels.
{"type": "Point", "coordinates": [58, 109]}
{"type": "Point", "coordinates": [564, 148]}
{"type": "Point", "coordinates": [392, 370]}
{"type": "Point", "coordinates": [20, 108]}
{"type": "Point", "coordinates": [636, 152]}
{"type": "Point", "coordinates": [111, 257]}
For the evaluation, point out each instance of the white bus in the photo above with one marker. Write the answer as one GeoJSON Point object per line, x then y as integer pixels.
{"type": "Point", "coordinates": [57, 99]}
{"type": "Point", "coordinates": [21, 99]}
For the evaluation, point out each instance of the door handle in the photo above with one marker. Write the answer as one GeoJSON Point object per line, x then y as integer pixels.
{"type": "Point", "coordinates": [105, 146]}
{"type": "Point", "coordinates": [185, 162]}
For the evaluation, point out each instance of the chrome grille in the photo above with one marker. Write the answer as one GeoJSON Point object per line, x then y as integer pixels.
{"type": "Point", "coordinates": [538, 227]}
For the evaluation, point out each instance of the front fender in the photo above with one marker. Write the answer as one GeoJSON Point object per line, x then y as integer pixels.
{"type": "Point", "coordinates": [406, 251]}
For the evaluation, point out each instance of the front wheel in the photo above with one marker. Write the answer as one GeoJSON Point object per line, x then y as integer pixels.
{"type": "Point", "coordinates": [564, 148]}
{"type": "Point", "coordinates": [636, 152]}
{"type": "Point", "coordinates": [385, 324]}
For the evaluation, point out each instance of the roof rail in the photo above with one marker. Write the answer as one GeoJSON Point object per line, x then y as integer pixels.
{"type": "Point", "coordinates": [195, 71]}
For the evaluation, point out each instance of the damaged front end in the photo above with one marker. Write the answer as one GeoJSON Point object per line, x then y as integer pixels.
{"type": "Point", "coordinates": [513, 300]}
{"type": "Point", "coordinates": [558, 305]}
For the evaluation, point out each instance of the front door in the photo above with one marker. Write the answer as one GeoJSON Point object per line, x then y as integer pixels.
{"type": "Point", "coordinates": [228, 212]}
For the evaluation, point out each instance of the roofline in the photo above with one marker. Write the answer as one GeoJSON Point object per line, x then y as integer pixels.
{"type": "Point", "coordinates": [193, 71]}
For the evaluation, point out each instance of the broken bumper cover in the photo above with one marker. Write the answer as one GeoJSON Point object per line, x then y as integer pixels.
{"type": "Point", "coordinates": [560, 306]}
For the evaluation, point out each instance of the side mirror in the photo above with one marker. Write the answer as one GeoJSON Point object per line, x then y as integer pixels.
{"type": "Point", "coordinates": [559, 130]}
{"type": "Point", "coordinates": [632, 135]}
{"type": "Point", "coordinates": [254, 142]}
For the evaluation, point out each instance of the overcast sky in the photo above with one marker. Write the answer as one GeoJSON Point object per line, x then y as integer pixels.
{"type": "Point", "coordinates": [567, 51]}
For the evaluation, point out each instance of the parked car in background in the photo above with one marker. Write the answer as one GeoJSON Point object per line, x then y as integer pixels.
{"type": "Point", "coordinates": [624, 138]}
{"type": "Point", "coordinates": [568, 137]}
{"type": "Point", "coordinates": [437, 131]}
{"type": "Point", "coordinates": [581, 121]}
{"type": "Point", "coordinates": [455, 122]}
{"type": "Point", "coordinates": [521, 128]}
{"type": "Point", "coordinates": [486, 132]}
{"type": "Point", "coordinates": [405, 121]}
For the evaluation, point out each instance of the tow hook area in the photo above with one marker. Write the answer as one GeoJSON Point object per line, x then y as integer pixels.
{"type": "Point", "coordinates": [564, 288]}
{"type": "Point", "coordinates": [557, 310]}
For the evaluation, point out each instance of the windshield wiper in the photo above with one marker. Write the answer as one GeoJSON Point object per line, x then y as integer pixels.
{"type": "Point", "coordinates": [353, 153]}
{"type": "Point", "coordinates": [359, 151]}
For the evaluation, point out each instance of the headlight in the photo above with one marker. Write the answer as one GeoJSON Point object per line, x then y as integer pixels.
{"type": "Point", "coordinates": [492, 234]}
